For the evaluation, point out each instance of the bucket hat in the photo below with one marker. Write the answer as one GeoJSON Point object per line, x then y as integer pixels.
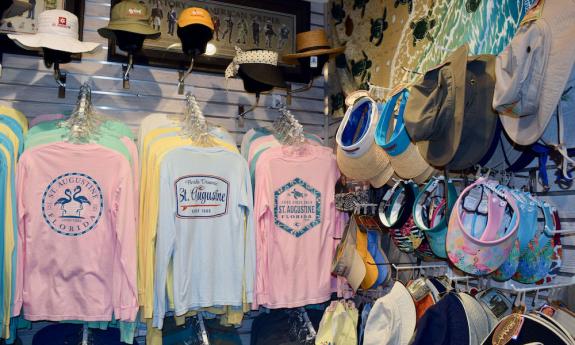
{"type": "Point", "coordinates": [347, 262]}
{"type": "Point", "coordinates": [312, 43]}
{"type": "Point", "coordinates": [434, 225]}
{"type": "Point", "coordinates": [338, 324]}
{"type": "Point", "coordinates": [434, 110]}
{"type": "Point", "coordinates": [479, 118]}
{"type": "Point", "coordinates": [258, 64]}
{"type": "Point", "coordinates": [475, 248]}
{"type": "Point", "coordinates": [403, 154]}
{"type": "Point", "coordinates": [130, 16]}
{"type": "Point", "coordinates": [57, 30]}
{"type": "Point", "coordinates": [392, 318]}
{"type": "Point", "coordinates": [532, 72]}
{"type": "Point", "coordinates": [479, 322]}
{"type": "Point", "coordinates": [445, 323]}
{"type": "Point", "coordinates": [14, 8]}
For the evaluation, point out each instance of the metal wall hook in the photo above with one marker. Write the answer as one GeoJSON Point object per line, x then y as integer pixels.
{"type": "Point", "coordinates": [304, 88]}
{"type": "Point", "coordinates": [126, 71]}
{"type": "Point", "coordinates": [60, 78]}
{"type": "Point", "coordinates": [182, 75]}
{"type": "Point", "coordinates": [242, 113]}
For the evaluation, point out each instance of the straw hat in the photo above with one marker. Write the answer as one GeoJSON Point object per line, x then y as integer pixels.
{"type": "Point", "coordinates": [312, 43]}
{"type": "Point", "coordinates": [373, 166]}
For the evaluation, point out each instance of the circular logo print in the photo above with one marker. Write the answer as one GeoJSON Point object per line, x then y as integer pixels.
{"type": "Point", "coordinates": [72, 204]}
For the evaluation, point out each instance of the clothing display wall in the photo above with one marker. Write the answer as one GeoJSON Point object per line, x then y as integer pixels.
{"type": "Point", "coordinates": [138, 215]}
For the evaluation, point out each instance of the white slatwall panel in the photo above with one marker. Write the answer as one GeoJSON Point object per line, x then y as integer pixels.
{"type": "Point", "coordinates": [29, 86]}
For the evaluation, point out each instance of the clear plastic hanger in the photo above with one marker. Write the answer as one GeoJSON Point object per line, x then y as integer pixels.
{"type": "Point", "coordinates": [83, 123]}
{"type": "Point", "coordinates": [287, 129]}
{"type": "Point", "coordinates": [194, 124]}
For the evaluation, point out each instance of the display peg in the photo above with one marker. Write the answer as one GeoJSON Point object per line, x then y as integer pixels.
{"type": "Point", "coordinates": [60, 78]}
{"type": "Point", "coordinates": [126, 68]}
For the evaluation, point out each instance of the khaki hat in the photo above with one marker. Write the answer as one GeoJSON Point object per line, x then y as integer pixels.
{"type": "Point", "coordinates": [312, 43]}
{"type": "Point", "coordinates": [195, 15]}
{"type": "Point", "coordinates": [130, 16]}
{"type": "Point", "coordinates": [16, 8]}
{"type": "Point", "coordinates": [434, 111]}
{"type": "Point", "coordinates": [544, 46]}
{"type": "Point", "coordinates": [57, 30]}
{"type": "Point", "coordinates": [347, 262]}
{"type": "Point", "coordinates": [479, 118]}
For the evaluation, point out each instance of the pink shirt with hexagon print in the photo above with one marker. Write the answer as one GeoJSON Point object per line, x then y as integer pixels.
{"type": "Point", "coordinates": [76, 249]}
{"type": "Point", "coordinates": [296, 226]}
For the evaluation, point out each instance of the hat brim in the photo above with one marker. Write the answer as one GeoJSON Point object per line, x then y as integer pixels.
{"type": "Point", "coordinates": [526, 130]}
{"type": "Point", "coordinates": [400, 295]}
{"type": "Point", "coordinates": [479, 119]}
{"type": "Point", "coordinates": [409, 164]}
{"type": "Point", "coordinates": [264, 73]}
{"type": "Point", "coordinates": [439, 150]}
{"type": "Point", "coordinates": [292, 58]}
{"type": "Point", "coordinates": [479, 322]}
{"type": "Point", "coordinates": [55, 42]}
{"type": "Point", "coordinates": [373, 165]}
{"type": "Point", "coordinates": [16, 9]}
{"type": "Point", "coordinates": [137, 28]}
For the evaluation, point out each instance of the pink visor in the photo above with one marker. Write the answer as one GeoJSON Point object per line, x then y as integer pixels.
{"type": "Point", "coordinates": [479, 244]}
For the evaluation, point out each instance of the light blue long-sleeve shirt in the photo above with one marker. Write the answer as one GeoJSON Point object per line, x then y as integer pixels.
{"type": "Point", "coordinates": [206, 225]}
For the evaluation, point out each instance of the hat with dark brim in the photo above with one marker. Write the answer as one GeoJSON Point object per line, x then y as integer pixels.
{"type": "Point", "coordinates": [264, 73]}
{"type": "Point", "coordinates": [129, 16]}
{"type": "Point", "coordinates": [258, 64]}
{"type": "Point", "coordinates": [312, 43]}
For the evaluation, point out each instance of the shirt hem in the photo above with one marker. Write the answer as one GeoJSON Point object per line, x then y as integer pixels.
{"type": "Point", "coordinates": [52, 317]}
{"type": "Point", "coordinates": [296, 304]}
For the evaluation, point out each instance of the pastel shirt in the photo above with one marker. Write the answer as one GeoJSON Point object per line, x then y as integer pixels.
{"type": "Point", "coordinates": [206, 197]}
{"type": "Point", "coordinates": [149, 205]}
{"type": "Point", "coordinates": [60, 134]}
{"type": "Point", "coordinates": [15, 128]}
{"type": "Point", "coordinates": [45, 117]}
{"type": "Point", "coordinates": [158, 120]}
{"type": "Point", "coordinates": [76, 234]}
{"type": "Point", "coordinates": [296, 222]}
{"type": "Point", "coordinates": [16, 115]}
{"type": "Point", "coordinates": [116, 127]}
{"type": "Point", "coordinates": [8, 245]}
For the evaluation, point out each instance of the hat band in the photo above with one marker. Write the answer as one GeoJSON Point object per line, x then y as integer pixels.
{"type": "Point", "coordinates": [309, 49]}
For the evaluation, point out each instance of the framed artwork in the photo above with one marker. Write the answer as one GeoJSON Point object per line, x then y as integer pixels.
{"type": "Point", "coordinates": [248, 24]}
{"type": "Point", "coordinates": [26, 22]}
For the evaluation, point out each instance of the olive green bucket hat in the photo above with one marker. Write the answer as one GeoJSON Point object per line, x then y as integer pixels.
{"type": "Point", "coordinates": [129, 16]}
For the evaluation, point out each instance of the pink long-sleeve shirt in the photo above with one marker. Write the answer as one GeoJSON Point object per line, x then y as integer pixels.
{"type": "Point", "coordinates": [76, 234]}
{"type": "Point", "coordinates": [296, 226]}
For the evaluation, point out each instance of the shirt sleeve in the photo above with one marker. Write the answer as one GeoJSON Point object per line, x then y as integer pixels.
{"type": "Point", "coordinates": [261, 206]}
{"type": "Point", "coordinates": [250, 241]}
{"type": "Point", "coordinates": [166, 235]}
{"type": "Point", "coordinates": [20, 244]}
{"type": "Point", "coordinates": [125, 295]}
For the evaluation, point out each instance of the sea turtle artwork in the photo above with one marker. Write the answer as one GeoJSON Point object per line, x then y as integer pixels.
{"type": "Point", "coordinates": [337, 12]}
{"type": "Point", "coordinates": [472, 5]}
{"type": "Point", "coordinates": [360, 4]}
{"type": "Point", "coordinates": [378, 26]}
{"type": "Point", "coordinates": [361, 67]}
{"type": "Point", "coordinates": [421, 28]}
{"type": "Point", "coordinates": [409, 4]}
